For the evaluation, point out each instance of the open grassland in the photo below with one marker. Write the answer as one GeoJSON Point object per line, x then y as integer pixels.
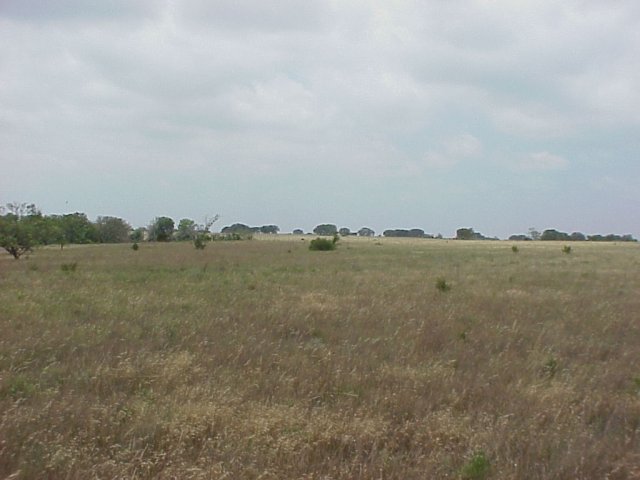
{"type": "Point", "coordinates": [263, 360]}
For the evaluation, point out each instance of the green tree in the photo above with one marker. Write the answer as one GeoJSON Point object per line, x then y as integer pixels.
{"type": "Point", "coordinates": [326, 229]}
{"type": "Point", "coordinates": [17, 229]}
{"type": "Point", "coordinates": [161, 230]}
{"type": "Point", "coordinates": [77, 228]}
{"type": "Point", "coordinates": [366, 232]}
{"type": "Point", "coordinates": [187, 229]}
{"type": "Point", "coordinates": [344, 232]}
{"type": "Point", "coordinates": [270, 229]}
{"type": "Point", "coordinates": [112, 230]}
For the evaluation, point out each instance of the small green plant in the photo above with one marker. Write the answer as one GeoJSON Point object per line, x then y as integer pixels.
{"type": "Point", "coordinates": [550, 368]}
{"type": "Point", "coordinates": [442, 285]}
{"type": "Point", "coordinates": [322, 244]}
{"type": "Point", "coordinates": [515, 249]}
{"type": "Point", "coordinates": [476, 468]}
{"type": "Point", "coordinates": [200, 241]}
{"type": "Point", "coordinates": [135, 246]}
{"type": "Point", "coordinates": [566, 249]}
{"type": "Point", "coordinates": [69, 267]}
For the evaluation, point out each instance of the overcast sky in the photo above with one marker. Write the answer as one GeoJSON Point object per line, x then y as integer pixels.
{"type": "Point", "coordinates": [435, 114]}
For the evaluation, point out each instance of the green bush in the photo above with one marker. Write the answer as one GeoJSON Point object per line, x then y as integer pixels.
{"type": "Point", "coordinates": [515, 249]}
{"type": "Point", "coordinates": [476, 468]}
{"type": "Point", "coordinates": [135, 246]}
{"type": "Point", "coordinates": [566, 249]}
{"type": "Point", "coordinates": [322, 244]}
{"type": "Point", "coordinates": [69, 267]}
{"type": "Point", "coordinates": [442, 285]}
{"type": "Point", "coordinates": [200, 241]}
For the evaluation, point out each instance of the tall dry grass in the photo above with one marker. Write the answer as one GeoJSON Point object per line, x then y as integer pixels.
{"type": "Point", "coordinates": [264, 360]}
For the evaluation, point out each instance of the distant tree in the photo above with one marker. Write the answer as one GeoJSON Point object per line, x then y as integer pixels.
{"type": "Point", "coordinates": [416, 233]}
{"type": "Point", "coordinates": [554, 235]}
{"type": "Point", "coordinates": [577, 237]}
{"type": "Point", "coordinates": [161, 230]}
{"type": "Point", "coordinates": [344, 232]}
{"type": "Point", "coordinates": [465, 234]}
{"type": "Point", "coordinates": [298, 231]}
{"type": "Point", "coordinates": [138, 235]}
{"type": "Point", "coordinates": [519, 238]}
{"type": "Point", "coordinates": [269, 229]}
{"type": "Point", "coordinates": [112, 230]}
{"type": "Point", "coordinates": [186, 230]}
{"type": "Point", "coordinates": [325, 229]}
{"type": "Point", "coordinates": [239, 228]}
{"type": "Point", "coordinates": [77, 228]}
{"type": "Point", "coordinates": [366, 232]}
{"type": "Point", "coordinates": [534, 233]}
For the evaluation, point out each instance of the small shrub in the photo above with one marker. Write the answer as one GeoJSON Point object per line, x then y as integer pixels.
{"type": "Point", "coordinates": [322, 244]}
{"type": "Point", "coordinates": [566, 249]}
{"type": "Point", "coordinates": [476, 468]}
{"type": "Point", "coordinates": [69, 267]}
{"type": "Point", "coordinates": [200, 242]}
{"type": "Point", "coordinates": [442, 285]}
{"type": "Point", "coordinates": [515, 249]}
{"type": "Point", "coordinates": [135, 246]}
{"type": "Point", "coordinates": [550, 368]}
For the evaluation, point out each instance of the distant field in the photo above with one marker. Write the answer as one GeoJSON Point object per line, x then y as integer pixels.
{"type": "Point", "coordinates": [385, 359]}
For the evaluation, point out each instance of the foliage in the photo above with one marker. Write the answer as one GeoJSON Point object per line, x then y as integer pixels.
{"type": "Point", "coordinates": [187, 229]}
{"type": "Point", "coordinates": [477, 468]}
{"type": "Point", "coordinates": [325, 229]}
{"type": "Point", "coordinates": [515, 249]}
{"type": "Point", "coordinates": [298, 231]}
{"type": "Point", "coordinates": [200, 241]}
{"type": "Point", "coordinates": [366, 232]}
{"type": "Point", "coordinates": [442, 285]}
{"type": "Point", "coordinates": [17, 234]}
{"type": "Point", "coordinates": [520, 238]}
{"type": "Point", "coordinates": [401, 232]}
{"type": "Point", "coordinates": [469, 234]}
{"type": "Point", "coordinates": [112, 230]}
{"type": "Point", "coordinates": [135, 246]}
{"type": "Point", "coordinates": [566, 249]}
{"type": "Point", "coordinates": [554, 235]}
{"type": "Point", "coordinates": [69, 267]}
{"type": "Point", "coordinates": [138, 234]}
{"type": "Point", "coordinates": [269, 229]}
{"type": "Point", "coordinates": [344, 232]}
{"type": "Point", "coordinates": [323, 244]}
{"type": "Point", "coordinates": [161, 230]}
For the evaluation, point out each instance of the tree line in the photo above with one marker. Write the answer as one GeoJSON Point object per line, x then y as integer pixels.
{"type": "Point", "coordinates": [23, 226]}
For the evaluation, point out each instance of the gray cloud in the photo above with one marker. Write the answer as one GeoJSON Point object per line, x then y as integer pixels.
{"type": "Point", "coordinates": [245, 91]}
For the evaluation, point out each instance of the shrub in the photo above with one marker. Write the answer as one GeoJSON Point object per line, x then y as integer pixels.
{"type": "Point", "coordinates": [69, 267]}
{"type": "Point", "coordinates": [442, 285]}
{"type": "Point", "coordinates": [566, 249]}
{"type": "Point", "coordinates": [476, 468]}
{"type": "Point", "coordinates": [515, 249]}
{"type": "Point", "coordinates": [200, 241]}
{"type": "Point", "coordinates": [322, 244]}
{"type": "Point", "coordinates": [135, 246]}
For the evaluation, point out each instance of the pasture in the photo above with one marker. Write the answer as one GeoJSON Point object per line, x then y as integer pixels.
{"type": "Point", "coordinates": [263, 360]}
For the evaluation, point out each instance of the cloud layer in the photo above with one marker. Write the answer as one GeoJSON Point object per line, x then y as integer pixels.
{"type": "Point", "coordinates": [404, 113]}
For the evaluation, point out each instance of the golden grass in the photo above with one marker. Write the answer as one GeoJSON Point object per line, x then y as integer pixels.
{"type": "Point", "coordinates": [261, 359]}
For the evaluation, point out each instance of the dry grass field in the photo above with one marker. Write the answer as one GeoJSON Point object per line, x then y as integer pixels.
{"type": "Point", "coordinates": [385, 359]}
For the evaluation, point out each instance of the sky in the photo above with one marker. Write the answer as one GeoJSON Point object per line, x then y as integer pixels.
{"type": "Point", "coordinates": [499, 115]}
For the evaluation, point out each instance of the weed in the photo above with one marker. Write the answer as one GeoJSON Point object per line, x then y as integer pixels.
{"type": "Point", "coordinates": [476, 468]}
{"type": "Point", "coordinates": [550, 368]}
{"type": "Point", "coordinates": [515, 249]}
{"type": "Point", "coordinates": [200, 242]}
{"type": "Point", "coordinates": [442, 285]}
{"type": "Point", "coordinates": [135, 246]}
{"type": "Point", "coordinates": [566, 249]}
{"type": "Point", "coordinates": [69, 267]}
